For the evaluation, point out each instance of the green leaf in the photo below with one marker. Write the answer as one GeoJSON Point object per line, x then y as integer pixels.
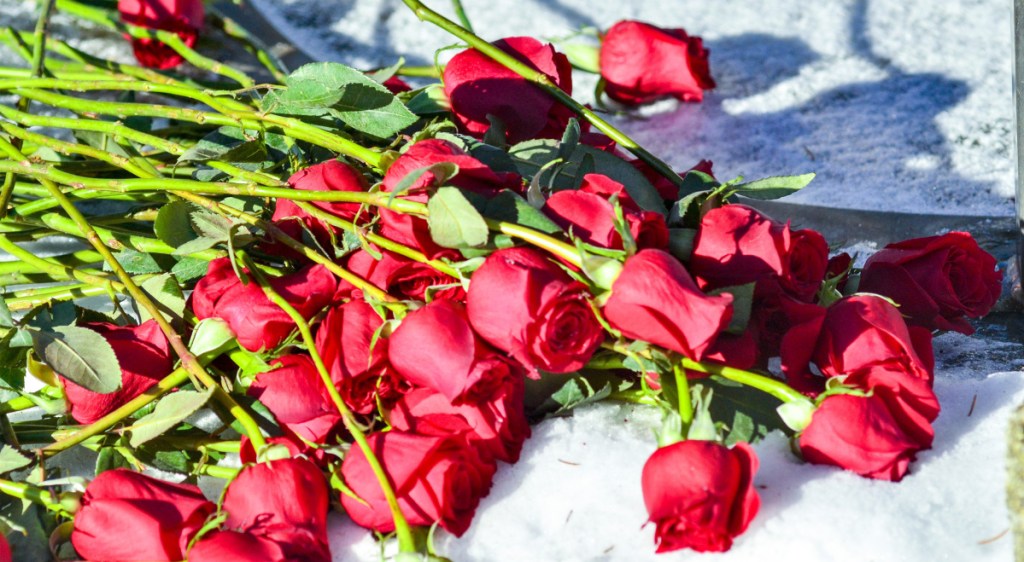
{"type": "Point", "coordinates": [748, 414]}
{"type": "Point", "coordinates": [6, 319]}
{"type": "Point", "coordinates": [81, 355]}
{"type": "Point", "coordinates": [774, 187]}
{"type": "Point", "coordinates": [742, 305]}
{"type": "Point", "coordinates": [172, 225]}
{"type": "Point", "coordinates": [344, 92]}
{"type": "Point", "coordinates": [197, 245]}
{"type": "Point", "coordinates": [229, 144]}
{"type": "Point", "coordinates": [12, 459]}
{"type": "Point", "coordinates": [169, 412]}
{"type": "Point", "coordinates": [577, 392]}
{"type": "Point", "coordinates": [136, 262]}
{"type": "Point", "coordinates": [211, 225]}
{"type": "Point", "coordinates": [166, 292]}
{"type": "Point", "coordinates": [373, 110]}
{"type": "Point", "coordinates": [108, 458]}
{"type": "Point", "coordinates": [188, 269]}
{"type": "Point", "coordinates": [508, 206]}
{"type": "Point", "coordinates": [453, 221]}
{"type": "Point", "coordinates": [430, 101]}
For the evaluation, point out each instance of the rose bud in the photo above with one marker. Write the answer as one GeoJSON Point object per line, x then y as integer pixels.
{"type": "Point", "coordinates": [654, 299]}
{"type": "Point", "coordinates": [332, 175]}
{"type": "Point", "coordinates": [436, 480]}
{"type": "Point", "coordinates": [295, 394]}
{"type": "Point", "coordinates": [435, 347]}
{"type": "Point", "coordinates": [144, 355]}
{"type": "Point", "coordinates": [126, 515]}
{"type": "Point", "coordinates": [294, 445]}
{"type": "Point", "coordinates": [477, 86]}
{"type": "Point", "coordinates": [219, 546]}
{"type": "Point", "coordinates": [356, 359]}
{"type": "Point", "coordinates": [524, 304]}
{"type": "Point", "coordinates": [590, 216]}
{"type": "Point", "coordinates": [183, 17]}
{"type": "Point", "coordinates": [401, 277]}
{"type": "Point", "coordinates": [285, 501]}
{"type": "Point", "coordinates": [936, 280]}
{"type": "Point", "coordinates": [495, 426]}
{"type": "Point", "coordinates": [736, 245]}
{"type": "Point", "coordinates": [700, 494]}
{"type": "Point", "coordinates": [641, 63]}
{"type": "Point", "coordinates": [866, 435]}
{"type": "Point", "coordinates": [257, 322]}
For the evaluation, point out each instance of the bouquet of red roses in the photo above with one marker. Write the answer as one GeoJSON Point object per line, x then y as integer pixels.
{"type": "Point", "coordinates": [340, 290]}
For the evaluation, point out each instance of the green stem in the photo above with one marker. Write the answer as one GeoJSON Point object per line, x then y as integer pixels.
{"type": "Point", "coordinates": [377, 239]}
{"type": "Point", "coordinates": [16, 405]}
{"type": "Point", "coordinates": [543, 82]}
{"type": "Point", "coordinates": [56, 269]}
{"type": "Point", "coordinates": [188, 360]}
{"type": "Point", "coordinates": [775, 387]}
{"type": "Point", "coordinates": [683, 394]}
{"type": "Point", "coordinates": [406, 541]}
{"type": "Point", "coordinates": [217, 471]}
{"type": "Point", "coordinates": [33, 494]}
{"type": "Point", "coordinates": [251, 43]}
{"type": "Point", "coordinates": [244, 119]}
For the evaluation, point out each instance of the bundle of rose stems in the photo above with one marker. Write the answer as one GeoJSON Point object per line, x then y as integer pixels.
{"type": "Point", "coordinates": [338, 291]}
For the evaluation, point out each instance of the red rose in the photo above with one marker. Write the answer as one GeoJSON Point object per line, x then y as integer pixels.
{"type": "Point", "coordinates": [478, 86]}
{"type": "Point", "coordinates": [436, 479]}
{"type": "Point", "coordinates": [700, 494]}
{"type": "Point", "coordinates": [641, 63]}
{"type": "Point", "coordinates": [524, 304]}
{"type": "Point", "coordinates": [473, 175]}
{"type": "Point", "coordinates": [936, 280]}
{"type": "Point", "coordinates": [495, 426]}
{"type": "Point", "coordinates": [736, 245]}
{"type": "Point", "coordinates": [356, 358]}
{"type": "Point", "coordinates": [865, 434]}
{"type": "Point", "coordinates": [144, 355]}
{"type": "Point", "coordinates": [219, 546]}
{"type": "Point", "coordinates": [285, 501]}
{"type": "Point", "coordinates": [590, 216]}
{"type": "Point", "coordinates": [401, 277]}
{"type": "Point", "coordinates": [297, 397]}
{"type": "Point", "coordinates": [435, 347]}
{"type": "Point", "coordinates": [654, 299]}
{"type": "Point", "coordinates": [129, 516]}
{"type": "Point", "coordinates": [257, 322]}
{"type": "Point", "coordinates": [855, 333]}
{"type": "Point", "coordinates": [183, 17]}
{"type": "Point", "coordinates": [5, 549]}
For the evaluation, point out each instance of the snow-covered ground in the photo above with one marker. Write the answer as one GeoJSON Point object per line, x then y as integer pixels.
{"type": "Point", "coordinates": [898, 106]}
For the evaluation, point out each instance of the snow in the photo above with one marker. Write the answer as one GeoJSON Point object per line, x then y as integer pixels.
{"type": "Point", "coordinates": [898, 106]}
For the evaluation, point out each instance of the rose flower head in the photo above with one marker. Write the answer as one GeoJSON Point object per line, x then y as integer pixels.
{"type": "Point", "coordinates": [937, 280]}
{"type": "Point", "coordinates": [524, 304]}
{"type": "Point", "coordinates": [700, 494]}
{"type": "Point", "coordinates": [183, 17]}
{"type": "Point", "coordinates": [145, 357]}
{"type": "Point", "coordinates": [477, 87]}
{"type": "Point", "coordinates": [641, 63]}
